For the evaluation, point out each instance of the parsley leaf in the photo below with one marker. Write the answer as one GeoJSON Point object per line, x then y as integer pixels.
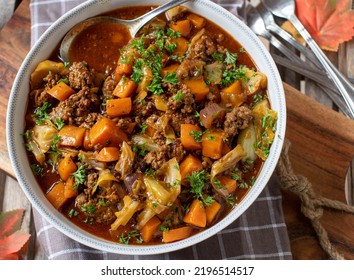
{"type": "Point", "coordinates": [170, 78]}
{"type": "Point", "coordinates": [197, 135]}
{"type": "Point", "coordinates": [197, 181]}
{"type": "Point", "coordinates": [41, 113]}
{"type": "Point", "coordinates": [79, 176]}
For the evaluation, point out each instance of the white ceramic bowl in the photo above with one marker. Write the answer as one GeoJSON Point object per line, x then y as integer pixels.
{"type": "Point", "coordinates": [42, 50]}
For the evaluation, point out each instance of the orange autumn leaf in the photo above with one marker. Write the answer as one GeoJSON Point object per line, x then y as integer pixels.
{"type": "Point", "coordinates": [330, 22]}
{"type": "Point", "coordinates": [11, 238]}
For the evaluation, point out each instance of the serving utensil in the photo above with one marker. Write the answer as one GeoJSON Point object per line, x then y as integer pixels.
{"type": "Point", "coordinates": [286, 9]}
{"type": "Point", "coordinates": [256, 22]}
{"type": "Point", "coordinates": [133, 25]}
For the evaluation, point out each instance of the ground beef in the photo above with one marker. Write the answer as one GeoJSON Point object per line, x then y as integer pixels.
{"type": "Point", "coordinates": [157, 158]}
{"type": "Point", "coordinates": [77, 107]}
{"type": "Point", "coordinates": [123, 123]}
{"type": "Point", "coordinates": [91, 204]}
{"type": "Point", "coordinates": [80, 75]}
{"type": "Point", "coordinates": [202, 48]}
{"type": "Point", "coordinates": [144, 110]}
{"type": "Point", "coordinates": [186, 104]}
{"type": "Point", "coordinates": [190, 68]}
{"type": "Point", "coordinates": [108, 87]}
{"type": "Point", "coordinates": [238, 118]}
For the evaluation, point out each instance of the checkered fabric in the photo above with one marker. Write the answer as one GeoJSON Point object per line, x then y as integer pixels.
{"type": "Point", "coordinates": [260, 233]}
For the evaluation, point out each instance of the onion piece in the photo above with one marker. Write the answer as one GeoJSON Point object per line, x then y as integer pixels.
{"type": "Point", "coordinates": [212, 113]}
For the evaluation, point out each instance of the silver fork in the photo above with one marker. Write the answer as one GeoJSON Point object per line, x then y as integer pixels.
{"type": "Point", "coordinates": [286, 9]}
{"type": "Point", "coordinates": [272, 26]}
{"type": "Point", "coordinates": [256, 23]}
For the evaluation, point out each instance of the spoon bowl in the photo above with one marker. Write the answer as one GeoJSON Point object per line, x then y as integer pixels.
{"type": "Point", "coordinates": [133, 26]}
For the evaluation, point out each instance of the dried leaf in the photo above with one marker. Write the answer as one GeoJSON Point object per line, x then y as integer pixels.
{"type": "Point", "coordinates": [330, 22]}
{"type": "Point", "coordinates": [10, 222]}
{"type": "Point", "coordinates": [12, 244]}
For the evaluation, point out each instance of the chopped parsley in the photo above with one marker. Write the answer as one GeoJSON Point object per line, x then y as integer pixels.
{"type": "Point", "coordinates": [37, 169]}
{"type": "Point", "coordinates": [178, 97]}
{"type": "Point", "coordinates": [79, 176]}
{"type": "Point", "coordinates": [197, 182]}
{"type": "Point", "coordinates": [41, 113]}
{"type": "Point", "coordinates": [63, 80]}
{"type": "Point", "coordinates": [59, 123]}
{"type": "Point", "coordinates": [197, 135]}
{"type": "Point", "coordinates": [54, 150]}
{"type": "Point", "coordinates": [170, 78]}
{"type": "Point", "coordinates": [125, 238]}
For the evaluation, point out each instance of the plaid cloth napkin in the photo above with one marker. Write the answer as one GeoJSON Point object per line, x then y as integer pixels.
{"type": "Point", "coordinates": [260, 233]}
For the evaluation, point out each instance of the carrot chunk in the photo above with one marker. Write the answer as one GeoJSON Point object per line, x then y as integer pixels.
{"type": "Point", "coordinates": [212, 144]}
{"type": "Point", "coordinates": [211, 211]}
{"type": "Point", "coordinates": [196, 20]}
{"type": "Point", "coordinates": [183, 26]}
{"type": "Point", "coordinates": [56, 195]}
{"type": "Point", "coordinates": [191, 136]}
{"type": "Point", "coordinates": [199, 88]}
{"type": "Point", "coordinates": [70, 190]}
{"type": "Point", "coordinates": [125, 88]}
{"type": "Point", "coordinates": [189, 164]}
{"type": "Point", "coordinates": [119, 107]}
{"type": "Point", "coordinates": [228, 183]}
{"type": "Point", "coordinates": [176, 234]}
{"type": "Point", "coordinates": [150, 228]}
{"type": "Point", "coordinates": [108, 154]}
{"type": "Point", "coordinates": [72, 136]}
{"type": "Point", "coordinates": [66, 167]}
{"type": "Point", "coordinates": [106, 133]}
{"type": "Point", "coordinates": [61, 91]}
{"type": "Point", "coordinates": [196, 214]}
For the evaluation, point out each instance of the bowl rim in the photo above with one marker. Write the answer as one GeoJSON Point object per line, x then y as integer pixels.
{"type": "Point", "coordinates": [69, 229]}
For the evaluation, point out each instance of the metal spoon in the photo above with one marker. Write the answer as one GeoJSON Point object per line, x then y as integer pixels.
{"type": "Point", "coordinates": [133, 25]}
{"type": "Point", "coordinates": [286, 9]}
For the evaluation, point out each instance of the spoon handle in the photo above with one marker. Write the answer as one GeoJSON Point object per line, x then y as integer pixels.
{"type": "Point", "coordinates": [140, 21]}
{"type": "Point", "coordinates": [343, 85]}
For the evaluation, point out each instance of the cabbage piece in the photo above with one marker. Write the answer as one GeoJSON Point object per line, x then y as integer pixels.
{"type": "Point", "coordinates": [148, 212]}
{"type": "Point", "coordinates": [128, 210]}
{"type": "Point", "coordinates": [105, 180]}
{"type": "Point", "coordinates": [145, 142]}
{"type": "Point", "coordinates": [160, 197]}
{"type": "Point", "coordinates": [171, 13]}
{"type": "Point", "coordinates": [213, 72]}
{"type": "Point", "coordinates": [43, 69]}
{"type": "Point", "coordinates": [228, 161]}
{"type": "Point", "coordinates": [90, 158]}
{"type": "Point", "coordinates": [40, 140]}
{"type": "Point", "coordinates": [264, 120]}
{"type": "Point", "coordinates": [247, 139]}
{"type": "Point", "coordinates": [126, 160]}
{"type": "Point", "coordinates": [146, 79]}
{"type": "Point", "coordinates": [254, 81]}
{"type": "Point", "coordinates": [172, 176]}
{"type": "Point", "coordinates": [162, 124]}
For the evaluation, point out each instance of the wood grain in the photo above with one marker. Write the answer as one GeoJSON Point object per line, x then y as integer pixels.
{"type": "Point", "coordinates": [14, 46]}
{"type": "Point", "coordinates": [322, 150]}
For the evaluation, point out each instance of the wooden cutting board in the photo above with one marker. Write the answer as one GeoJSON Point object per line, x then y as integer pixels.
{"type": "Point", "coordinates": [322, 147]}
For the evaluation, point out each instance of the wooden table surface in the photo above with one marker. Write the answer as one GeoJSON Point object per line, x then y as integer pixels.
{"type": "Point", "coordinates": [322, 148]}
